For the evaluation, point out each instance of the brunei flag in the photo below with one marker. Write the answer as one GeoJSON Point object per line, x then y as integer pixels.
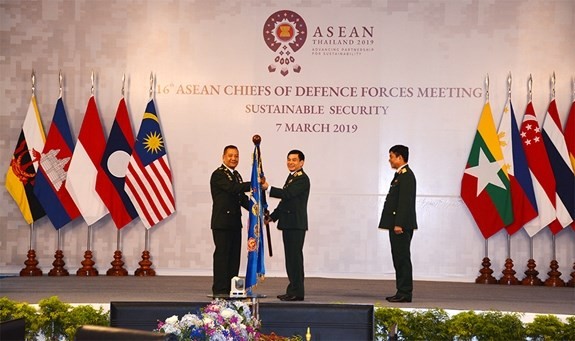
{"type": "Point", "coordinates": [485, 186]}
{"type": "Point", "coordinates": [21, 174]}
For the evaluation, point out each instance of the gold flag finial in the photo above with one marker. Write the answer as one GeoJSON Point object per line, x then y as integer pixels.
{"type": "Point", "coordinates": [530, 87]}
{"type": "Point", "coordinates": [92, 87]}
{"type": "Point", "coordinates": [487, 88]}
{"type": "Point", "coordinates": [308, 335]}
{"type": "Point", "coordinates": [553, 85]}
{"type": "Point", "coordinates": [151, 84]}
{"type": "Point", "coordinates": [60, 81]}
{"type": "Point", "coordinates": [123, 83]}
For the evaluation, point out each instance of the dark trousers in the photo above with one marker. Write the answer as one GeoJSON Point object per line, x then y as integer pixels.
{"type": "Point", "coordinates": [226, 259]}
{"type": "Point", "coordinates": [401, 255]}
{"type": "Point", "coordinates": [293, 251]}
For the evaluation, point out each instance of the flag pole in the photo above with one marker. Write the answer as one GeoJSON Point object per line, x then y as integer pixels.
{"type": "Point", "coordinates": [256, 139]}
{"type": "Point", "coordinates": [58, 269]}
{"type": "Point", "coordinates": [531, 274]}
{"type": "Point", "coordinates": [554, 279]}
{"type": "Point", "coordinates": [145, 264]}
{"type": "Point", "coordinates": [508, 273]}
{"type": "Point", "coordinates": [117, 268]}
{"type": "Point", "coordinates": [31, 263]}
{"type": "Point", "coordinates": [87, 268]}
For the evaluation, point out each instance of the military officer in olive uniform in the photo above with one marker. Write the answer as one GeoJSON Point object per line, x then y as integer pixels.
{"type": "Point", "coordinates": [228, 198]}
{"type": "Point", "coordinates": [399, 218]}
{"type": "Point", "coordinates": [291, 214]}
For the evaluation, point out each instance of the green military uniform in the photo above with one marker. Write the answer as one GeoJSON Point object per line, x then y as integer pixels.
{"type": "Point", "coordinates": [399, 210]}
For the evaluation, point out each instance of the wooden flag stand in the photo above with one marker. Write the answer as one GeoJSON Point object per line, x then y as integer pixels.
{"type": "Point", "coordinates": [31, 263]}
{"type": "Point", "coordinates": [531, 274]}
{"type": "Point", "coordinates": [485, 277]}
{"type": "Point", "coordinates": [508, 274]}
{"type": "Point", "coordinates": [58, 263]}
{"type": "Point", "coordinates": [87, 268]}
{"type": "Point", "coordinates": [554, 279]}
{"type": "Point", "coordinates": [117, 268]}
{"type": "Point", "coordinates": [145, 268]}
{"type": "Point", "coordinates": [571, 282]}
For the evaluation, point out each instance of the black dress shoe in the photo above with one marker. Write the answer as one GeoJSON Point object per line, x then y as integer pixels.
{"type": "Point", "coordinates": [289, 298]}
{"type": "Point", "coordinates": [390, 297]}
{"type": "Point", "coordinates": [282, 296]}
{"type": "Point", "coordinates": [399, 299]}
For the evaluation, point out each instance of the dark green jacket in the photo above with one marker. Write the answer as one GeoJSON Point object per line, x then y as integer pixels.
{"type": "Point", "coordinates": [399, 206]}
{"type": "Point", "coordinates": [292, 209]}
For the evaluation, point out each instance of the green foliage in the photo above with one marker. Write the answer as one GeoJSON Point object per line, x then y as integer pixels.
{"type": "Point", "coordinates": [463, 325]}
{"type": "Point", "coordinates": [54, 319]}
{"type": "Point", "coordinates": [425, 325]}
{"type": "Point", "coordinates": [385, 320]}
{"type": "Point", "coordinates": [496, 325]}
{"type": "Point", "coordinates": [545, 327]}
{"type": "Point", "coordinates": [435, 324]}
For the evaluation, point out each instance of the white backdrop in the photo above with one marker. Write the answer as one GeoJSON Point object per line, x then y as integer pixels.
{"type": "Point", "coordinates": [419, 67]}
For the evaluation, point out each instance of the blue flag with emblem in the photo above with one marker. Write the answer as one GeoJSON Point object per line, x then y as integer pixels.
{"type": "Point", "coordinates": [256, 266]}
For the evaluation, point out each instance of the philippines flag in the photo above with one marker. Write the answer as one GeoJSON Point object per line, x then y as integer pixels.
{"type": "Point", "coordinates": [81, 181]}
{"type": "Point", "coordinates": [522, 194]}
{"type": "Point", "coordinates": [561, 165]}
{"type": "Point", "coordinates": [114, 165]}
{"type": "Point", "coordinates": [149, 178]}
{"type": "Point", "coordinates": [55, 159]}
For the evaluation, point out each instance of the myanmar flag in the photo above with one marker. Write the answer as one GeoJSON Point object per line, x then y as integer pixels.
{"type": "Point", "coordinates": [485, 186]}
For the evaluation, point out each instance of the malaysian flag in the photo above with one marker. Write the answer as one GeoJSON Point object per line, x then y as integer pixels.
{"type": "Point", "coordinates": [149, 178]}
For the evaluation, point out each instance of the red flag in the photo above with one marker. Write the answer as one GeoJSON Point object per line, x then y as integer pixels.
{"type": "Point", "coordinates": [569, 133]}
{"type": "Point", "coordinates": [542, 174]}
{"type": "Point", "coordinates": [85, 164]}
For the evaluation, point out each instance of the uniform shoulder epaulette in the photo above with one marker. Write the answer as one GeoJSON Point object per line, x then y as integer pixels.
{"type": "Point", "coordinates": [298, 173]}
{"type": "Point", "coordinates": [403, 170]}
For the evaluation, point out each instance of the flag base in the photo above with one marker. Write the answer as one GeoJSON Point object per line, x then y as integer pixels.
{"type": "Point", "coordinates": [554, 279]}
{"type": "Point", "coordinates": [58, 263]}
{"type": "Point", "coordinates": [485, 277]}
{"type": "Point", "coordinates": [31, 263]}
{"type": "Point", "coordinates": [531, 275]}
{"type": "Point", "coordinates": [87, 268]}
{"type": "Point", "coordinates": [508, 274]}
{"type": "Point", "coordinates": [117, 268]}
{"type": "Point", "coordinates": [571, 282]}
{"type": "Point", "coordinates": [145, 266]}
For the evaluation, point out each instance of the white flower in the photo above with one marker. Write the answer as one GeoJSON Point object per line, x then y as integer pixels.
{"type": "Point", "coordinates": [189, 320]}
{"type": "Point", "coordinates": [227, 313]}
{"type": "Point", "coordinates": [172, 320]}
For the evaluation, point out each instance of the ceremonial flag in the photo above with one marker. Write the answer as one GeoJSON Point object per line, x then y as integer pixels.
{"type": "Point", "coordinates": [149, 178]}
{"type": "Point", "coordinates": [522, 194]}
{"type": "Point", "coordinates": [561, 166]}
{"type": "Point", "coordinates": [21, 174]}
{"type": "Point", "coordinates": [113, 166]}
{"type": "Point", "coordinates": [569, 133]}
{"type": "Point", "coordinates": [541, 173]}
{"type": "Point", "coordinates": [485, 187]}
{"type": "Point", "coordinates": [50, 186]}
{"type": "Point", "coordinates": [84, 166]}
{"type": "Point", "coordinates": [257, 206]}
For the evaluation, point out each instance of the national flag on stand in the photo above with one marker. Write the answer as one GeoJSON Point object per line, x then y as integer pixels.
{"type": "Point", "coordinates": [256, 263]}
{"type": "Point", "coordinates": [541, 173]}
{"type": "Point", "coordinates": [561, 166]}
{"type": "Point", "coordinates": [21, 174]}
{"type": "Point", "coordinates": [522, 194]}
{"type": "Point", "coordinates": [50, 186]}
{"type": "Point", "coordinates": [569, 133]}
{"type": "Point", "coordinates": [84, 166]}
{"type": "Point", "coordinates": [149, 178]}
{"type": "Point", "coordinates": [485, 187]}
{"type": "Point", "coordinates": [113, 167]}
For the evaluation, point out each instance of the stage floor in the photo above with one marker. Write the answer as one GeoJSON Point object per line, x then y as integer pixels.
{"type": "Point", "coordinates": [427, 294]}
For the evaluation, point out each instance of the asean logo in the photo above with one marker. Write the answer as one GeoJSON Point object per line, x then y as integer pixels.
{"type": "Point", "coordinates": [285, 33]}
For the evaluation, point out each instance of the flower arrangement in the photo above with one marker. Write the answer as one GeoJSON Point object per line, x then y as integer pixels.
{"type": "Point", "coordinates": [221, 320]}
